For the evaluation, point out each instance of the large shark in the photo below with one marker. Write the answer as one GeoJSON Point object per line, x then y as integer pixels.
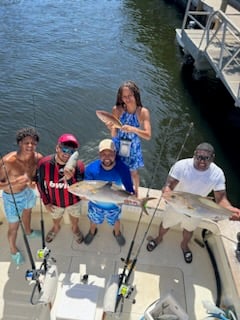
{"type": "Point", "coordinates": [103, 191]}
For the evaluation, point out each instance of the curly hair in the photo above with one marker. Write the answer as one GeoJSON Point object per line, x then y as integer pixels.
{"type": "Point", "coordinates": [27, 132]}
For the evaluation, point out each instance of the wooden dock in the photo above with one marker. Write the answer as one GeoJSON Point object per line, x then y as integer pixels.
{"type": "Point", "coordinates": [214, 43]}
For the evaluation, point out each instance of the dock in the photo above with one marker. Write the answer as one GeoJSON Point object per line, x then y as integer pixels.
{"type": "Point", "coordinates": [210, 38]}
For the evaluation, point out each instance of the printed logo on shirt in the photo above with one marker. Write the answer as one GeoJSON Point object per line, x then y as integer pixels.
{"type": "Point", "coordinates": [58, 185]}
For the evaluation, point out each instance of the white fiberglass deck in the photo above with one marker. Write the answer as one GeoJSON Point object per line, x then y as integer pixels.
{"type": "Point", "coordinates": [156, 274]}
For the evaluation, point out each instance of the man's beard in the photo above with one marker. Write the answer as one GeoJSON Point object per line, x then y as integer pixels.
{"type": "Point", "coordinates": [108, 163]}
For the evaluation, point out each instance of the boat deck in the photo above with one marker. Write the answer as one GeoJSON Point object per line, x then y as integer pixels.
{"type": "Point", "coordinates": [155, 275]}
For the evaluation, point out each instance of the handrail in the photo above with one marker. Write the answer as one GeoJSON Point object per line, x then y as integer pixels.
{"type": "Point", "coordinates": [191, 15]}
{"type": "Point", "coordinates": [225, 17]}
{"type": "Point", "coordinates": [226, 27]}
{"type": "Point", "coordinates": [218, 29]}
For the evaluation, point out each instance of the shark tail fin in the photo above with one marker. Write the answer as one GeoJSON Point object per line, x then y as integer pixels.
{"type": "Point", "coordinates": [144, 202]}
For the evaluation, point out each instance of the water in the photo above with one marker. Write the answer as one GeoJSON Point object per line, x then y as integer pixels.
{"type": "Point", "coordinates": [60, 61]}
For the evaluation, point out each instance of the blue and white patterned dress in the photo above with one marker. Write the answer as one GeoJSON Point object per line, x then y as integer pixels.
{"type": "Point", "coordinates": [135, 158]}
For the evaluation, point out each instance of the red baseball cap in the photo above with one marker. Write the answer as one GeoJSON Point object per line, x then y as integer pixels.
{"type": "Point", "coordinates": [68, 138]}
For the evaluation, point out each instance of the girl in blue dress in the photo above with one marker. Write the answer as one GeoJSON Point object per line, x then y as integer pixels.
{"type": "Point", "coordinates": [136, 124]}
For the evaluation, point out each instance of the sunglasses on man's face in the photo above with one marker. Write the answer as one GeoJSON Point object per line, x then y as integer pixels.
{"type": "Point", "coordinates": [67, 150]}
{"type": "Point", "coordinates": [203, 158]}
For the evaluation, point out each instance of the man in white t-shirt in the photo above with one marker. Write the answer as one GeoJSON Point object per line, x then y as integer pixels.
{"type": "Point", "coordinates": [198, 175]}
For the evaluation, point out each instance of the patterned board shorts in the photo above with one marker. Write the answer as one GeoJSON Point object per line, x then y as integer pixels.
{"type": "Point", "coordinates": [97, 214]}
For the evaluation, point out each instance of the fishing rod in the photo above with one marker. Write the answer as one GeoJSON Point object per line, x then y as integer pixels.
{"type": "Point", "coordinates": [156, 167]}
{"type": "Point", "coordinates": [185, 140]}
{"type": "Point", "coordinates": [124, 289]}
{"type": "Point", "coordinates": [43, 237]}
{"type": "Point", "coordinates": [47, 269]}
{"type": "Point", "coordinates": [33, 274]}
{"type": "Point", "coordinates": [19, 216]}
{"type": "Point", "coordinates": [41, 253]}
{"type": "Point", "coordinates": [46, 291]}
{"type": "Point", "coordinates": [123, 278]}
{"type": "Point", "coordinates": [44, 254]}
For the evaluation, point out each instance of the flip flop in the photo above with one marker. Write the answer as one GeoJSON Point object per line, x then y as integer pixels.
{"type": "Point", "coordinates": [50, 236]}
{"type": "Point", "coordinates": [152, 244]}
{"type": "Point", "coordinates": [78, 237]}
{"type": "Point", "coordinates": [187, 256]}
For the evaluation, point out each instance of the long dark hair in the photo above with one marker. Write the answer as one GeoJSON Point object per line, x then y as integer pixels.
{"type": "Point", "coordinates": [135, 90]}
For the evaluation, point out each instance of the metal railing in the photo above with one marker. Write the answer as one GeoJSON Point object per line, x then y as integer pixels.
{"type": "Point", "coordinates": [225, 29]}
{"type": "Point", "coordinates": [220, 31]}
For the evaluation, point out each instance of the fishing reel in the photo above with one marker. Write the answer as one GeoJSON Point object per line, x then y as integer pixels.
{"type": "Point", "coordinates": [34, 275]}
{"type": "Point", "coordinates": [125, 291]}
{"type": "Point", "coordinates": [43, 253]}
{"type": "Point", "coordinates": [128, 263]}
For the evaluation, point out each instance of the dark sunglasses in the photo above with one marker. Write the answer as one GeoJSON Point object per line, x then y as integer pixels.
{"type": "Point", "coordinates": [67, 150]}
{"type": "Point", "coordinates": [203, 158]}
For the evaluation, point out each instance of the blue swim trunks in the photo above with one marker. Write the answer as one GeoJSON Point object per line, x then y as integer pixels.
{"type": "Point", "coordinates": [25, 199]}
{"type": "Point", "coordinates": [97, 213]}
